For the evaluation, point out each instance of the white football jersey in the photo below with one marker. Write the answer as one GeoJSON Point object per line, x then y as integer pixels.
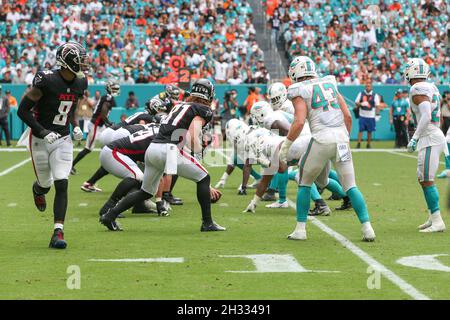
{"type": "Point", "coordinates": [433, 134]}
{"type": "Point", "coordinates": [325, 117]}
{"type": "Point", "coordinates": [287, 106]}
{"type": "Point", "coordinates": [251, 138]}
{"type": "Point", "coordinates": [277, 115]}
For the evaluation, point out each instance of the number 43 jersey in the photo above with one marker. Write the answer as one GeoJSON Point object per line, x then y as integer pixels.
{"type": "Point", "coordinates": [325, 117]}
{"type": "Point", "coordinates": [59, 100]}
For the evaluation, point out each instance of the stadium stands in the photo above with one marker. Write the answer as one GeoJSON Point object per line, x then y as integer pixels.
{"type": "Point", "coordinates": [357, 40]}
{"type": "Point", "coordinates": [136, 41]}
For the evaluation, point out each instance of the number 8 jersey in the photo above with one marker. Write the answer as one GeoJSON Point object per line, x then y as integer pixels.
{"type": "Point", "coordinates": [324, 115]}
{"type": "Point", "coordinates": [59, 100]}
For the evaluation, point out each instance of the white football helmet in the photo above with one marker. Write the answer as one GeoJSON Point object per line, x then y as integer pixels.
{"type": "Point", "coordinates": [259, 111]}
{"type": "Point", "coordinates": [277, 95]}
{"type": "Point", "coordinates": [230, 128]}
{"type": "Point", "coordinates": [416, 68]}
{"type": "Point", "coordinates": [300, 67]}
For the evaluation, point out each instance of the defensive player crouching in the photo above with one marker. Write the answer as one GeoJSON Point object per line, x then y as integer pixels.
{"type": "Point", "coordinates": [428, 138]}
{"type": "Point", "coordinates": [48, 109]}
{"type": "Point", "coordinates": [183, 125]}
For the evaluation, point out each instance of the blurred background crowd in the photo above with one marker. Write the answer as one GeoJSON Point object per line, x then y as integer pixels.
{"type": "Point", "coordinates": [357, 41]}
{"type": "Point", "coordinates": [135, 41]}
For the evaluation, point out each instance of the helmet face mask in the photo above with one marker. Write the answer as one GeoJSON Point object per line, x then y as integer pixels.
{"type": "Point", "coordinates": [113, 87]}
{"type": "Point", "coordinates": [72, 56]}
{"type": "Point", "coordinates": [173, 92]}
{"type": "Point", "coordinates": [301, 67]}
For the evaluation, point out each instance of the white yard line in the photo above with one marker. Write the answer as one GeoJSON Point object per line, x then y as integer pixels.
{"type": "Point", "coordinates": [14, 167]}
{"type": "Point", "coordinates": [364, 256]}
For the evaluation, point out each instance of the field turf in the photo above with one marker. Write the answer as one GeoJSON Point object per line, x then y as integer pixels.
{"type": "Point", "coordinates": [388, 181]}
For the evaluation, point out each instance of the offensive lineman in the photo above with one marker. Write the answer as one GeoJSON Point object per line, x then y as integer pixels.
{"type": "Point", "coordinates": [428, 139]}
{"type": "Point", "coordinates": [318, 101]}
{"type": "Point", "coordinates": [183, 125]}
{"type": "Point", "coordinates": [48, 109]}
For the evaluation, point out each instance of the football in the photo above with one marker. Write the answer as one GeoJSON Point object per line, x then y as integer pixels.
{"type": "Point", "coordinates": [215, 195]}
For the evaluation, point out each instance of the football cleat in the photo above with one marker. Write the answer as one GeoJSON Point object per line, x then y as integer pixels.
{"type": "Point", "coordinates": [110, 222]}
{"type": "Point", "coordinates": [90, 187]}
{"type": "Point", "coordinates": [297, 235]}
{"type": "Point", "coordinates": [57, 241]}
{"type": "Point", "coordinates": [242, 191]}
{"type": "Point", "coordinates": [334, 196]}
{"type": "Point", "coordinates": [39, 201]}
{"type": "Point", "coordinates": [346, 204]}
{"type": "Point", "coordinates": [161, 207]}
{"type": "Point", "coordinates": [269, 196]}
{"type": "Point", "coordinates": [320, 210]}
{"type": "Point", "coordinates": [144, 207]}
{"type": "Point", "coordinates": [73, 171]}
{"type": "Point", "coordinates": [173, 200]}
{"type": "Point", "coordinates": [368, 233]}
{"type": "Point", "coordinates": [444, 174]}
{"type": "Point", "coordinates": [106, 207]}
{"type": "Point", "coordinates": [435, 227]}
{"type": "Point", "coordinates": [220, 184]}
{"type": "Point", "coordinates": [278, 204]}
{"type": "Point", "coordinates": [425, 225]}
{"type": "Point", "coordinates": [212, 227]}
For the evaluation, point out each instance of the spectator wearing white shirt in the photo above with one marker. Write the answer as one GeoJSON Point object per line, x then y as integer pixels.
{"type": "Point", "coordinates": [221, 68]}
{"type": "Point", "coordinates": [47, 25]}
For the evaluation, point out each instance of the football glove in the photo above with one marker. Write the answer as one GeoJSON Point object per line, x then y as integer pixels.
{"type": "Point", "coordinates": [52, 137]}
{"type": "Point", "coordinates": [77, 133]}
{"type": "Point", "coordinates": [412, 145]}
{"type": "Point", "coordinates": [285, 149]}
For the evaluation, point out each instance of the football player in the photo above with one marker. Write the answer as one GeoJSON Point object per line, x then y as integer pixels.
{"type": "Point", "coordinates": [318, 101]}
{"type": "Point", "coordinates": [182, 126]}
{"type": "Point", "coordinates": [132, 124]}
{"type": "Point", "coordinates": [121, 158]}
{"type": "Point", "coordinates": [278, 98]}
{"type": "Point", "coordinates": [428, 139]}
{"type": "Point", "coordinates": [99, 119]}
{"type": "Point", "coordinates": [278, 121]}
{"type": "Point", "coordinates": [48, 109]}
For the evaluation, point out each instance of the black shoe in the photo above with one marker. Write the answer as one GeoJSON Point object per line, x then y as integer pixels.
{"type": "Point", "coordinates": [334, 196]}
{"type": "Point", "coordinates": [172, 200]}
{"type": "Point", "coordinates": [320, 210]}
{"type": "Point", "coordinates": [269, 196]}
{"type": "Point", "coordinates": [162, 208]}
{"type": "Point", "coordinates": [73, 171]}
{"type": "Point", "coordinates": [368, 146]}
{"type": "Point", "coordinates": [358, 145]}
{"type": "Point", "coordinates": [110, 222]}
{"type": "Point", "coordinates": [242, 191]}
{"type": "Point", "coordinates": [211, 227]}
{"type": "Point", "coordinates": [39, 200]}
{"type": "Point", "coordinates": [107, 206]}
{"type": "Point", "coordinates": [346, 204]}
{"type": "Point", "coordinates": [57, 241]}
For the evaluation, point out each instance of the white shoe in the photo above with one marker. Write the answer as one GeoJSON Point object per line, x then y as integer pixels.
{"type": "Point", "coordinates": [437, 227]}
{"type": "Point", "coordinates": [425, 225]}
{"type": "Point", "coordinates": [254, 184]}
{"type": "Point", "coordinates": [297, 235]}
{"type": "Point", "coordinates": [220, 184]}
{"type": "Point", "coordinates": [299, 232]}
{"type": "Point", "coordinates": [90, 187]}
{"type": "Point", "coordinates": [368, 233]}
{"type": "Point", "coordinates": [278, 205]}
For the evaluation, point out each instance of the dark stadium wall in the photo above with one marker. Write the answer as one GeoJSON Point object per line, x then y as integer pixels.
{"type": "Point", "coordinates": [145, 91]}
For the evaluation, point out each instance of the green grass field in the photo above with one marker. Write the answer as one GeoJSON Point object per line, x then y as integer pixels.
{"type": "Point", "coordinates": [32, 271]}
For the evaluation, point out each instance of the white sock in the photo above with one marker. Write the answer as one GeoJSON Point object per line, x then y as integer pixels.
{"type": "Point", "coordinates": [436, 218]}
{"type": "Point", "coordinates": [224, 176]}
{"type": "Point", "coordinates": [158, 199]}
{"type": "Point", "coordinates": [366, 225]}
{"type": "Point", "coordinates": [301, 226]}
{"type": "Point", "coordinates": [59, 226]}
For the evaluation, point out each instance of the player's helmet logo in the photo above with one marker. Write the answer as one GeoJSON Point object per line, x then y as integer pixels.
{"type": "Point", "coordinates": [416, 68]}
{"type": "Point", "coordinates": [300, 67]}
{"type": "Point", "coordinates": [72, 55]}
{"type": "Point", "coordinates": [204, 89]}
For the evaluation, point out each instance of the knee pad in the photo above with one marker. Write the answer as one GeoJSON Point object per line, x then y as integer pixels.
{"type": "Point", "coordinates": [61, 186]}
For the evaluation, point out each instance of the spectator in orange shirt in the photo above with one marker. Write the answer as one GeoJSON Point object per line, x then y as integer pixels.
{"type": "Point", "coordinates": [395, 6]}
{"type": "Point", "coordinates": [252, 97]}
{"type": "Point", "coordinates": [141, 21]}
{"type": "Point", "coordinates": [12, 100]}
{"type": "Point", "coordinates": [271, 6]}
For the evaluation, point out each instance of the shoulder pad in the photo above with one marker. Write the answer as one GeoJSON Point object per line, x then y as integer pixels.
{"type": "Point", "coordinates": [421, 89]}
{"type": "Point", "coordinates": [296, 90]}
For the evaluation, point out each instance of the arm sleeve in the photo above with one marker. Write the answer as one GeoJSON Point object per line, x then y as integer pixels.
{"type": "Point", "coordinates": [25, 114]}
{"type": "Point", "coordinates": [425, 111]}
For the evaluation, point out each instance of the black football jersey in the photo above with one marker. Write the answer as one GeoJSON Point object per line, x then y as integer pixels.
{"type": "Point", "coordinates": [110, 103]}
{"type": "Point", "coordinates": [132, 128]}
{"type": "Point", "coordinates": [56, 107]}
{"type": "Point", "coordinates": [134, 119]}
{"type": "Point", "coordinates": [174, 127]}
{"type": "Point", "coordinates": [135, 145]}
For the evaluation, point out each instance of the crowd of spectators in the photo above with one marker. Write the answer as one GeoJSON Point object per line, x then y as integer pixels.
{"type": "Point", "coordinates": [364, 40]}
{"type": "Point", "coordinates": [135, 41]}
